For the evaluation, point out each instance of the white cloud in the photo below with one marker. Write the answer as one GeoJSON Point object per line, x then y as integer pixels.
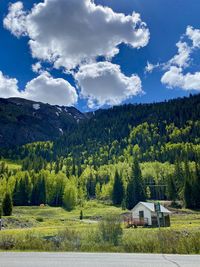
{"type": "Point", "coordinates": [194, 35]}
{"type": "Point", "coordinates": [174, 77]}
{"type": "Point", "coordinates": [183, 57]}
{"type": "Point", "coordinates": [150, 67]}
{"type": "Point", "coordinates": [8, 86]}
{"type": "Point", "coordinates": [44, 89]}
{"type": "Point", "coordinates": [37, 67]}
{"type": "Point", "coordinates": [16, 19]}
{"type": "Point", "coordinates": [68, 33]}
{"type": "Point", "coordinates": [103, 83]}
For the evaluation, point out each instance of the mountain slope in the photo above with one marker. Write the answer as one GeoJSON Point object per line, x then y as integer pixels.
{"type": "Point", "coordinates": [23, 121]}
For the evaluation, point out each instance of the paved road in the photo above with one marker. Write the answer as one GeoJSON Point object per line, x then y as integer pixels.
{"type": "Point", "coordinates": [96, 260]}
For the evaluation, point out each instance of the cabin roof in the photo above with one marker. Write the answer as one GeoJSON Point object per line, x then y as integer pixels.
{"type": "Point", "coordinates": [150, 206]}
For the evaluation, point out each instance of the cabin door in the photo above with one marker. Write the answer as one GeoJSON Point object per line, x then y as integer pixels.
{"type": "Point", "coordinates": [141, 215]}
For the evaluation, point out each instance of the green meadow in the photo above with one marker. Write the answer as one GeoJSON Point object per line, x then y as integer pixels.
{"type": "Point", "coordinates": [54, 229]}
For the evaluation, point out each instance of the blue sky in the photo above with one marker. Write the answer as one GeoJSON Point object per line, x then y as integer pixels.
{"type": "Point", "coordinates": [166, 21]}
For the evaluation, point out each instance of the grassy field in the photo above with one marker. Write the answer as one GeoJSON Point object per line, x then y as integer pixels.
{"type": "Point", "coordinates": [50, 229]}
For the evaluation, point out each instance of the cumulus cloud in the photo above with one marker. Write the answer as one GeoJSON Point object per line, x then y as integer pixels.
{"type": "Point", "coordinates": [194, 35]}
{"type": "Point", "coordinates": [175, 69]}
{"type": "Point", "coordinates": [103, 83]}
{"type": "Point", "coordinates": [37, 67]}
{"type": "Point", "coordinates": [182, 58]}
{"type": "Point", "coordinates": [44, 88]}
{"type": "Point", "coordinates": [69, 33]}
{"type": "Point", "coordinates": [174, 77]}
{"type": "Point", "coordinates": [16, 19]}
{"type": "Point", "coordinates": [8, 86]}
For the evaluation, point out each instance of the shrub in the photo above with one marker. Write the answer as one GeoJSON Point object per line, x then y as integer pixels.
{"type": "Point", "coordinates": [39, 219]}
{"type": "Point", "coordinates": [67, 240]}
{"type": "Point", "coordinates": [7, 242]}
{"type": "Point", "coordinates": [110, 230]}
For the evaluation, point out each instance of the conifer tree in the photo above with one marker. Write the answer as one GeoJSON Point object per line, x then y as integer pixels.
{"type": "Point", "coordinates": [135, 188]}
{"type": "Point", "coordinates": [188, 195]}
{"type": "Point", "coordinates": [42, 191]}
{"type": "Point", "coordinates": [188, 192]}
{"type": "Point", "coordinates": [118, 190]}
{"type": "Point", "coordinates": [172, 192]}
{"type": "Point", "coordinates": [7, 205]}
{"type": "Point", "coordinates": [16, 194]}
{"type": "Point", "coordinates": [196, 188]}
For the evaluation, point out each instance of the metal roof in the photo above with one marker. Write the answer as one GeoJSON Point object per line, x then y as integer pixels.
{"type": "Point", "coordinates": [151, 207]}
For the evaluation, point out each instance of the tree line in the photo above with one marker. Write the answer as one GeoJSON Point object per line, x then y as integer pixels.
{"type": "Point", "coordinates": [121, 184]}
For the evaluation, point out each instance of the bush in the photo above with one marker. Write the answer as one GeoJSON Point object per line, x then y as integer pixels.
{"type": "Point", "coordinates": [7, 242]}
{"type": "Point", "coordinates": [39, 219]}
{"type": "Point", "coordinates": [67, 240]}
{"type": "Point", "coordinates": [110, 230]}
{"type": "Point", "coordinates": [162, 241]}
{"type": "Point", "coordinates": [33, 242]}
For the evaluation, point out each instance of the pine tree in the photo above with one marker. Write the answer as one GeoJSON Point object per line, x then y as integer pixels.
{"type": "Point", "coordinates": [57, 167]}
{"type": "Point", "coordinates": [188, 195]}
{"type": "Point", "coordinates": [196, 187]}
{"type": "Point", "coordinates": [16, 194]}
{"type": "Point", "coordinates": [135, 188]}
{"type": "Point", "coordinates": [118, 190]}
{"type": "Point", "coordinates": [35, 194]}
{"type": "Point", "coordinates": [178, 176]}
{"type": "Point", "coordinates": [42, 191]}
{"type": "Point", "coordinates": [7, 205]}
{"type": "Point", "coordinates": [172, 192]}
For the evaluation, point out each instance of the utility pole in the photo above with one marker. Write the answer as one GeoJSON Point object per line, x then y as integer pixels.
{"type": "Point", "coordinates": [0, 220]}
{"type": "Point", "coordinates": [157, 210]}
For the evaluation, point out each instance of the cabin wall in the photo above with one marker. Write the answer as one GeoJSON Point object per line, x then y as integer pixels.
{"type": "Point", "coordinates": [147, 213]}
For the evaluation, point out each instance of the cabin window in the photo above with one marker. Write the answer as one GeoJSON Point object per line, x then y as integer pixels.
{"type": "Point", "coordinates": [141, 214]}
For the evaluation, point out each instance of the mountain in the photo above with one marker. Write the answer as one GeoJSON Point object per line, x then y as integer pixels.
{"type": "Point", "coordinates": [24, 121]}
{"type": "Point", "coordinates": [163, 137]}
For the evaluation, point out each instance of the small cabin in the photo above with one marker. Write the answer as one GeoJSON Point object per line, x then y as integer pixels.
{"type": "Point", "coordinates": [145, 214]}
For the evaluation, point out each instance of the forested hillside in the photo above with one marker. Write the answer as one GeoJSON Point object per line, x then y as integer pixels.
{"type": "Point", "coordinates": [23, 121]}
{"type": "Point", "coordinates": [120, 155]}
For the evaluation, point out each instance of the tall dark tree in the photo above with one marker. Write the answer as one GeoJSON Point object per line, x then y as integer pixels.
{"type": "Point", "coordinates": [91, 185]}
{"type": "Point", "coordinates": [135, 188]}
{"type": "Point", "coordinates": [16, 194]}
{"type": "Point", "coordinates": [178, 175]}
{"type": "Point", "coordinates": [196, 187]}
{"type": "Point", "coordinates": [42, 191]}
{"type": "Point", "coordinates": [7, 205]}
{"type": "Point", "coordinates": [188, 190]}
{"type": "Point", "coordinates": [118, 190]}
{"type": "Point", "coordinates": [24, 190]}
{"type": "Point", "coordinates": [172, 191]}
{"type": "Point", "coordinates": [188, 195]}
{"type": "Point", "coordinates": [35, 194]}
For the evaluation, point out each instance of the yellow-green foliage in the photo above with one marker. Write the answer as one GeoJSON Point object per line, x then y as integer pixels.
{"type": "Point", "coordinates": [55, 229]}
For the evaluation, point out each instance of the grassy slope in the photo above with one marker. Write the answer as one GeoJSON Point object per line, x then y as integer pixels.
{"type": "Point", "coordinates": [30, 227]}
{"type": "Point", "coordinates": [49, 219]}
